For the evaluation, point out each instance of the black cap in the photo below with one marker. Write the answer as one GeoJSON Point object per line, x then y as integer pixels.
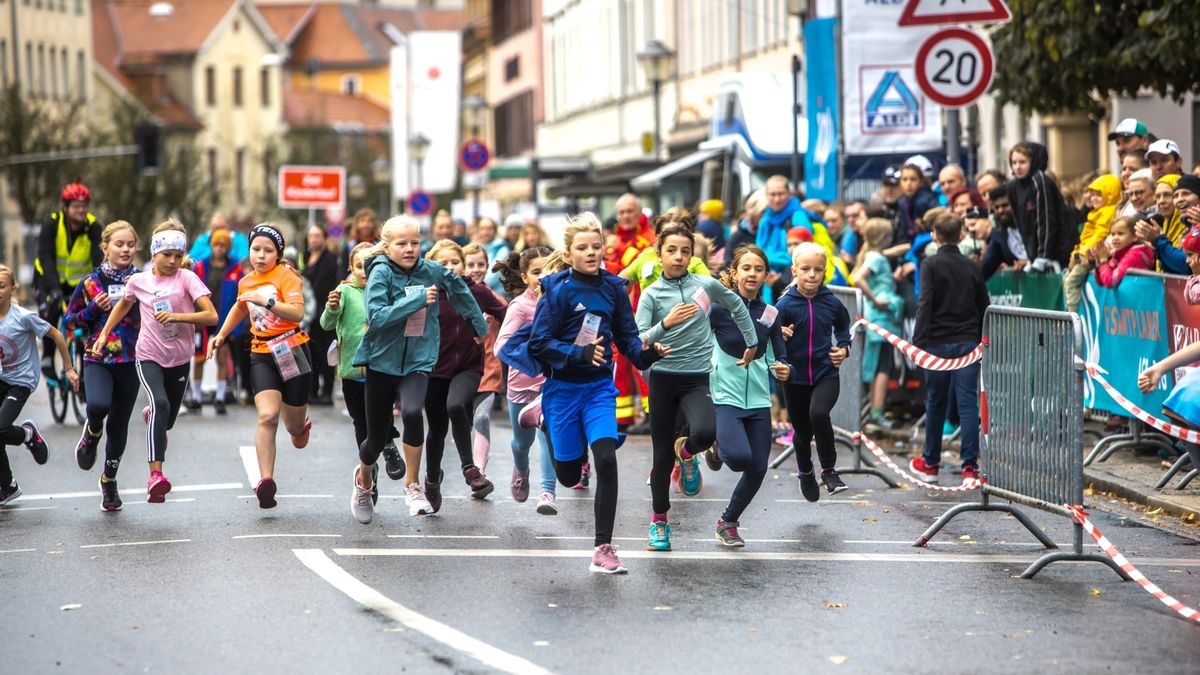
{"type": "Point", "coordinates": [891, 175]}
{"type": "Point", "coordinates": [976, 212]}
{"type": "Point", "coordinates": [1190, 183]}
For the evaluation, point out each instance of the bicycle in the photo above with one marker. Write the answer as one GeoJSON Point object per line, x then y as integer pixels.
{"type": "Point", "coordinates": [62, 396]}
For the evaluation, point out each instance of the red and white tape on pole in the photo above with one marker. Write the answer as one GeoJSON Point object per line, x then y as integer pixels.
{"type": "Point", "coordinates": [1079, 515]}
{"type": "Point", "coordinates": [882, 456]}
{"type": "Point", "coordinates": [920, 357]}
{"type": "Point", "coordinates": [1095, 372]}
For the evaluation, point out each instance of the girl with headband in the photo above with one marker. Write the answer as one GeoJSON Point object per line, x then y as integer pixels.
{"type": "Point", "coordinates": [280, 362]}
{"type": "Point", "coordinates": [173, 301]}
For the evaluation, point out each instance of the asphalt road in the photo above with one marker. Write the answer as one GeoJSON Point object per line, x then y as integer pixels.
{"type": "Point", "coordinates": [208, 582]}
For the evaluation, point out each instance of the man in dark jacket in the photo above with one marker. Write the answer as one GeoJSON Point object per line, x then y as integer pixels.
{"type": "Point", "coordinates": [1037, 208]}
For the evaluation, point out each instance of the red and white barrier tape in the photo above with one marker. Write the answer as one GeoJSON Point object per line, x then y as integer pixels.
{"type": "Point", "coordinates": [1182, 433]}
{"type": "Point", "coordinates": [920, 357]}
{"type": "Point", "coordinates": [882, 456]}
{"type": "Point", "coordinates": [1079, 515]}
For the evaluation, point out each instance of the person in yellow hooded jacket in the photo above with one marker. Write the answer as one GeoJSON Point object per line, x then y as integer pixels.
{"type": "Point", "coordinates": [1102, 196]}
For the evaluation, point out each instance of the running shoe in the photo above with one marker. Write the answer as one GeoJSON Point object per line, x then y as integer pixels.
{"type": "Point", "coordinates": [809, 487]}
{"type": "Point", "coordinates": [878, 423]}
{"type": "Point", "coordinates": [530, 416]}
{"type": "Point", "coordinates": [605, 561]}
{"type": "Point", "coordinates": [480, 486]}
{"type": "Point", "coordinates": [727, 534]}
{"type": "Point", "coordinates": [676, 474]}
{"type": "Point", "coordinates": [360, 502]}
{"type": "Point", "coordinates": [833, 482]}
{"type": "Point", "coordinates": [922, 471]}
{"type": "Point", "coordinates": [393, 462]}
{"type": "Point", "coordinates": [157, 488]}
{"type": "Point", "coordinates": [192, 404]}
{"type": "Point", "coordinates": [265, 491]}
{"type": "Point", "coordinates": [786, 439]}
{"type": "Point", "coordinates": [300, 441]}
{"type": "Point", "coordinates": [520, 485]}
{"type": "Point", "coordinates": [690, 481]}
{"type": "Point", "coordinates": [712, 459]}
{"type": "Point", "coordinates": [110, 497]}
{"type": "Point", "coordinates": [418, 505]}
{"type": "Point", "coordinates": [433, 492]}
{"type": "Point", "coordinates": [660, 536]}
{"type": "Point", "coordinates": [375, 483]}
{"type": "Point", "coordinates": [9, 492]}
{"type": "Point", "coordinates": [585, 477]}
{"type": "Point", "coordinates": [547, 505]}
{"type": "Point", "coordinates": [970, 475]}
{"type": "Point", "coordinates": [85, 449]}
{"type": "Point", "coordinates": [219, 406]}
{"type": "Point", "coordinates": [36, 444]}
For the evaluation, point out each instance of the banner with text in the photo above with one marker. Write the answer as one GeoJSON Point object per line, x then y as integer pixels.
{"type": "Point", "coordinates": [1125, 332]}
{"type": "Point", "coordinates": [1031, 291]}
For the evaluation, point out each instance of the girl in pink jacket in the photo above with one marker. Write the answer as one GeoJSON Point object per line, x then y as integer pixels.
{"type": "Point", "coordinates": [1127, 254]}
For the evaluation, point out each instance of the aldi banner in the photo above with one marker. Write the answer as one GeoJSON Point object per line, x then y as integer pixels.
{"type": "Point", "coordinates": [885, 111]}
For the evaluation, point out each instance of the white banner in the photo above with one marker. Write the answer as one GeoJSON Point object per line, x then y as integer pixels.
{"type": "Point", "coordinates": [400, 165]}
{"type": "Point", "coordinates": [435, 61]}
{"type": "Point", "coordinates": [884, 110]}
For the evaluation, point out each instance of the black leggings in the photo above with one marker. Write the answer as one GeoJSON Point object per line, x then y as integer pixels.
{"type": "Point", "coordinates": [604, 461]}
{"type": "Point", "coordinates": [164, 387]}
{"type": "Point", "coordinates": [112, 391]}
{"type": "Point", "coordinates": [381, 392]}
{"type": "Point", "coordinates": [808, 409]}
{"type": "Point", "coordinates": [354, 391]}
{"type": "Point", "coordinates": [12, 400]}
{"type": "Point", "coordinates": [670, 396]}
{"type": "Point", "coordinates": [450, 403]}
{"type": "Point", "coordinates": [744, 444]}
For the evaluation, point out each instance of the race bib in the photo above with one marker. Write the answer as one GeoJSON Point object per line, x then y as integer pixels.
{"type": "Point", "coordinates": [700, 297]}
{"type": "Point", "coordinates": [331, 355]}
{"type": "Point", "coordinates": [647, 269]}
{"type": "Point", "coordinates": [770, 313]}
{"type": "Point", "coordinates": [116, 292]}
{"type": "Point", "coordinates": [589, 330]}
{"type": "Point", "coordinates": [415, 326]}
{"type": "Point", "coordinates": [288, 357]}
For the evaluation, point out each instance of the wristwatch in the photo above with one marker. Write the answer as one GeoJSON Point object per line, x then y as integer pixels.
{"type": "Point", "coordinates": [270, 303]}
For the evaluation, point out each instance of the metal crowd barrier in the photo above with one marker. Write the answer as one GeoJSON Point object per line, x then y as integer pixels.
{"type": "Point", "coordinates": [1032, 452]}
{"type": "Point", "coordinates": [847, 413]}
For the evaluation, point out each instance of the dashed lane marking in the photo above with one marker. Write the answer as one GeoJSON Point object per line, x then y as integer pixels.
{"type": "Point", "coordinates": [289, 497]}
{"type": "Point", "coordinates": [19, 550]}
{"type": "Point", "coordinates": [443, 536]}
{"type": "Point", "coordinates": [368, 597]}
{"type": "Point", "coordinates": [28, 508]}
{"type": "Point", "coordinates": [250, 463]}
{"type": "Point", "coordinates": [274, 536]}
{"type": "Point", "coordinates": [972, 542]}
{"type": "Point", "coordinates": [130, 491]}
{"type": "Point", "coordinates": [137, 543]}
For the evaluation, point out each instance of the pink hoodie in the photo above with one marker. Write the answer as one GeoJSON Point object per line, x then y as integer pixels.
{"type": "Point", "coordinates": [521, 387]}
{"type": "Point", "coordinates": [1136, 257]}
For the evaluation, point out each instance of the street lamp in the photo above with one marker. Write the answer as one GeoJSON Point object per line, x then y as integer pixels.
{"type": "Point", "coordinates": [658, 63]}
{"type": "Point", "coordinates": [798, 9]}
{"type": "Point", "coordinates": [475, 108]}
{"type": "Point", "coordinates": [418, 147]}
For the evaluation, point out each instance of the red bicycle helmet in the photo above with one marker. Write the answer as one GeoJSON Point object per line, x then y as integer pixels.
{"type": "Point", "coordinates": [76, 192]}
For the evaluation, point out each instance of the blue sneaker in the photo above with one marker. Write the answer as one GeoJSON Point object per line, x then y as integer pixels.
{"type": "Point", "coordinates": [660, 536]}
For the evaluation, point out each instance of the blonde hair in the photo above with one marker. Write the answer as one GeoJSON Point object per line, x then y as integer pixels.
{"type": "Point", "coordinates": [12, 278]}
{"type": "Point", "coordinates": [557, 262]}
{"type": "Point", "coordinates": [167, 225]}
{"type": "Point", "coordinates": [359, 249]}
{"type": "Point", "coordinates": [876, 236]}
{"type": "Point", "coordinates": [472, 249]}
{"type": "Point", "coordinates": [114, 227]}
{"type": "Point", "coordinates": [581, 224]}
{"type": "Point", "coordinates": [390, 230]}
{"type": "Point", "coordinates": [543, 240]}
{"type": "Point", "coordinates": [807, 248]}
{"type": "Point", "coordinates": [445, 245]}
{"type": "Point", "coordinates": [701, 247]}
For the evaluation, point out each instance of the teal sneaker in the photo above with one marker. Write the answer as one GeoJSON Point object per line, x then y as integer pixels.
{"type": "Point", "coordinates": [660, 536]}
{"type": "Point", "coordinates": [690, 479]}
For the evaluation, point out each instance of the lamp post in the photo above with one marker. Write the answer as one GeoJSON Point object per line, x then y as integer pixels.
{"type": "Point", "coordinates": [798, 9]}
{"type": "Point", "coordinates": [658, 63]}
{"type": "Point", "coordinates": [418, 147]}
{"type": "Point", "coordinates": [475, 108]}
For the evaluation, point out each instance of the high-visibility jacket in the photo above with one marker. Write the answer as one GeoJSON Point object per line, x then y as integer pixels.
{"type": "Point", "coordinates": [73, 261]}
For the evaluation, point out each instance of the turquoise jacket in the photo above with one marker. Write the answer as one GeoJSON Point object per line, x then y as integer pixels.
{"type": "Point", "coordinates": [746, 388]}
{"type": "Point", "coordinates": [691, 341]}
{"type": "Point", "coordinates": [384, 347]}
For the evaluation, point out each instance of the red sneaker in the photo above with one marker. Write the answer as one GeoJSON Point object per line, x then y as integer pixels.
{"type": "Point", "coordinates": [157, 488]}
{"type": "Point", "coordinates": [923, 471]}
{"type": "Point", "coordinates": [302, 440]}
{"type": "Point", "coordinates": [265, 491]}
{"type": "Point", "coordinates": [970, 475]}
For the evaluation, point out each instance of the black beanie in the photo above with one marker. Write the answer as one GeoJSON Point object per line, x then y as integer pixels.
{"type": "Point", "coordinates": [1190, 183]}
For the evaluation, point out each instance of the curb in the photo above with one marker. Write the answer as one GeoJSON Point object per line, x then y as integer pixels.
{"type": "Point", "coordinates": [1104, 483]}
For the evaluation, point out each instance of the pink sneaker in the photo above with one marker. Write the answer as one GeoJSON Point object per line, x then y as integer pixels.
{"type": "Point", "coordinates": [923, 471]}
{"type": "Point", "coordinates": [585, 477]}
{"type": "Point", "coordinates": [786, 439]}
{"type": "Point", "coordinates": [302, 440]}
{"type": "Point", "coordinates": [530, 416]}
{"type": "Point", "coordinates": [157, 488]}
{"type": "Point", "coordinates": [265, 491]}
{"type": "Point", "coordinates": [605, 561]}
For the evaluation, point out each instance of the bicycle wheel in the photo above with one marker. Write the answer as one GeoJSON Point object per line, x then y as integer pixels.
{"type": "Point", "coordinates": [58, 395]}
{"type": "Point", "coordinates": [77, 348]}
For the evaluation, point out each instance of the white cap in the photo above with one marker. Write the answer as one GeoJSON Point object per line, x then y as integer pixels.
{"type": "Point", "coordinates": [1128, 127]}
{"type": "Point", "coordinates": [921, 162]}
{"type": "Point", "coordinates": [1164, 146]}
{"type": "Point", "coordinates": [514, 220]}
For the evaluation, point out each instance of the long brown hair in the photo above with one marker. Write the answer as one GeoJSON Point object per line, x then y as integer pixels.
{"type": "Point", "coordinates": [727, 277]}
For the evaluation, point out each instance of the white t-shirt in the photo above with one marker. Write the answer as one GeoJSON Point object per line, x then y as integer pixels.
{"type": "Point", "coordinates": [21, 332]}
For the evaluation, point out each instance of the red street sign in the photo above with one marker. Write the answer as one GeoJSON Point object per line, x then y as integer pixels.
{"type": "Point", "coordinates": [938, 12]}
{"type": "Point", "coordinates": [307, 187]}
{"type": "Point", "coordinates": [474, 155]}
{"type": "Point", "coordinates": [420, 203]}
{"type": "Point", "coordinates": [954, 67]}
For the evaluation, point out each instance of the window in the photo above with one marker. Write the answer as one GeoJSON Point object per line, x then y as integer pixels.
{"type": "Point", "coordinates": [509, 18]}
{"type": "Point", "coordinates": [81, 75]}
{"type": "Point", "coordinates": [512, 69]}
{"type": "Point", "coordinates": [4, 62]}
{"type": "Point", "coordinates": [351, 84]}
{"type": "Point", "coordinates": [264, 86]}
{"type": "Point", "coordinates": [79, 7]}
{"type": "Point", "coordinates": [28, 67]}
{"type": "Point", "coordinates": [239, 169]}
{"type": "Point", "coordinates": [66, 75]}
{"type": "Point", "coordinates": [514, 125]}
{"type": "Point", "coordinates": [268, 158]}
{"type": "Point", "coordinates": [212, 170]}
{"type": "Point", "coordinates": [237, 86]}
{"type": "Point", "coordinates": [54, 77]}
{"type": "Point", "coordinates": [210, 86]}
{"type": "Point", "coordinates": [42, 71]}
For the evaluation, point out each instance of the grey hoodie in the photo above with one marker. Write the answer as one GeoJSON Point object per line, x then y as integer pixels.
{"type": "Point", "coordinates": [691, 341]}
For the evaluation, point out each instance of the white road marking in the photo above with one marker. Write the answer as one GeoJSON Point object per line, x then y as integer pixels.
{"type": "Point", "coordinates": [681, 499]}
{"type": "Point", "coordinates": [760, 556]}
{"type": "Point", "coordinates": [443, 536]}
{"type": "Point", "coordinates": [205, 487]}
{"type": "Point", "coordinates": [19, 550]}
{"type": "Point", "coordinates": [272, 536]}
{"type": "Point", "coordinates": [169, 501]}
{"type": "Point", "coordinates": [289, 497]}
{"type": "Point", "coordinates": [855, 502]}
{"type": "Point", "coordinates": [971, 542]}
{"type": "Point", "coordinates": [138, 543]}
{"type": "Point", "coordinates": [760, 541]}
{"type": "Point", "coordinates": [250, 462]}
{"type": "Point", "coordinates": [28, 508]}
{"type": "Point", "coordinates": [570, 538]}
{"type": "Point", "coordinates": [368, 597]}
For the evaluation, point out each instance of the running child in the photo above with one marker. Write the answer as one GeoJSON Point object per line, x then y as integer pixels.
{"type": "Point", "coordinates": [584, 314]}
{"type": "Point", "coordinates": [742, 395]}
{"type": "Point", "coordinates": [476, 263]}
{"type": "Point", "coordinates": [816, 319]}
{"type": "Point", "coordinates": [281, 371]}
{"type": "Point", "coordinates": [399, 350]}
{"type": "Point", "coordinates": [520, 275]}
{"type": "Point", "coordinates": [675, 309]}
{"type": "Point", "coordinates": [110, 377]}
{"type": "Point", "coordinates": [20, 332]}
{"type": "Point", "coordinates": [172, 301]}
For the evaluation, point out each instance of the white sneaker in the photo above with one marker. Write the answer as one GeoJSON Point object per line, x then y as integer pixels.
{"type": "Point", "coordinates": [418, 505]}
{"type": "Point", "coordinates": [547, 506]}
{"type": "Point", "coordinates": [360, 502]}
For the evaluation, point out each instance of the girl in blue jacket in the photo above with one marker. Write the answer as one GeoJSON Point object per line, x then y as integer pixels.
{"type": "Point", "coordinates": [585, 314]}
{"type": "Point", "coordinates": [816, 318]}
{"type": "Point", "coordinates": [399, 350]}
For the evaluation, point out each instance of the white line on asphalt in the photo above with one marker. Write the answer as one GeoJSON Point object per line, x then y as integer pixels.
{"type": "Point", "coordinates": [855, 502]}
{"type": "Point", "coordinates": [680, 499]}
{"type": "Point", "coordinates": [137, 543]}
{"type": "Point", "coordinates": [204, 487]}
{"type": "Point", "coordinates": [250, 463]}
{"type": "Point", "coordinates": [289, 497]}
{"type": "Point", "coordinates": [372, 599]}
{"type": "Point", "coordinates": [271, 536]}
{"type": "Point", "coordinates": [29, 508]}
{"type": "Point", "coordinates": [761, 541]}
{"type": "Point", "coordinates": [760, 556]}
{"type": "Point", "coordinates": [971, 542]}
{"type": "Point", "coordinates": [19, 550]}
{"type": "Point", "coordinates": [443, 536]}
{"type": "Point", "coordinates": [569, 538]}
{"type": "Point", "coordinates": [169, 501]}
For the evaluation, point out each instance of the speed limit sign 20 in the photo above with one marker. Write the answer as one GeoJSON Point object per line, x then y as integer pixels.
{"type": "Point", "coordinates": [954, 67]}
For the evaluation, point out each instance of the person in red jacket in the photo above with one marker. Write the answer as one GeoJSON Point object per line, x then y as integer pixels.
{"type": "Point", "coordinates": [634, 234]}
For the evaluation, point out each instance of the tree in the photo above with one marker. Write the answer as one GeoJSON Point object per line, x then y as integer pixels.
{"type": "Point", "coordinates": [1072, 55]}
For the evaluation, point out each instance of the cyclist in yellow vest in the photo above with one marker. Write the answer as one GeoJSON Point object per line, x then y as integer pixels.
{"type": "Point", "coordinates": [68, 251]}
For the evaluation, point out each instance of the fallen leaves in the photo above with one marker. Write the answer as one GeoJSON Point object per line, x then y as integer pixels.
{"type": "Point", "coordinates": [838, 660]}
{"type": "Point", "coordinates": [1096, 592]}
{"type": "Point", "coordinates": [68, 608]}
{"type": "Point", "coordinates": [834, 605]}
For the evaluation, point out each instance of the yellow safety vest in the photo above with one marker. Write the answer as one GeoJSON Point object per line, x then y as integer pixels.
{"type": "Point", "coordinates": [75, 263]}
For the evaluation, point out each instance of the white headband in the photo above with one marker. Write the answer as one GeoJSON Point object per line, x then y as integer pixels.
{"type": "Point", "coordinates": [168, 240]}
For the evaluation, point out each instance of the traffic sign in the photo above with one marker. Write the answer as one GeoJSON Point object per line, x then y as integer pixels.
{"type": "Point", "coordinates": [939, 12]}
{"type": "Point", "coordinates": [420, 203]}
{"type": "Point", "coordinates": [474, 155]}
{"type": "Point", "coordinates": [308, 187]}
{"type": "Point", "coordinates": [954, 67]}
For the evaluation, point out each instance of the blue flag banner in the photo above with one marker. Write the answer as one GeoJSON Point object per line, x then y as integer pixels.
{"type": "Point", "coordinates": [821, 179]}
{"type": "Point", "coordinates": [1125, 332]}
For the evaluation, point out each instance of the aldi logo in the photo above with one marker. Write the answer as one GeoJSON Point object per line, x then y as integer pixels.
{"type": "Point", "coordinates": [891, 105]}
